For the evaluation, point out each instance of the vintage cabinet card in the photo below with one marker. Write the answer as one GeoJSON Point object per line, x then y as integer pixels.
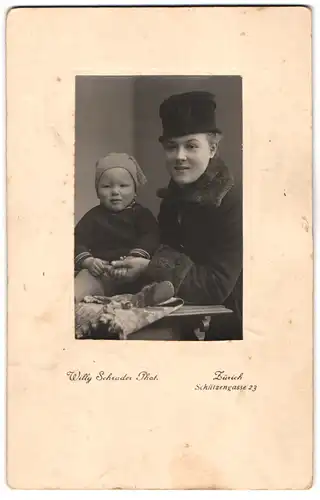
{"type": "Point", "coordinates": [216, 390]}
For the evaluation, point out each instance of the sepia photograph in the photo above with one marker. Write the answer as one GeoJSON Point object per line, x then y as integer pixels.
{"type": "Point", "coordinates": [158, 208]}
{"type": "Point", "coordinates": [159, 180]}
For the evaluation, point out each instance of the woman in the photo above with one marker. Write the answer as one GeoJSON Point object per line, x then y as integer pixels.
{"type": "Point", "coordinates": [200, 216]}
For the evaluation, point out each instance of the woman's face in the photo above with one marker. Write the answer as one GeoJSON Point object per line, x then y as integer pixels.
{"type": "Point", "coordinates": [187, 157]}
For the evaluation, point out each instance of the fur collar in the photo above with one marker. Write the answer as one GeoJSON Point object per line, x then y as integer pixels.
{"type": "Point", "coordinates": [209, 189]}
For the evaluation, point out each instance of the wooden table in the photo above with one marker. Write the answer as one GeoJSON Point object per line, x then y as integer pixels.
{"type": "Point", "coordinates": [179, 325]}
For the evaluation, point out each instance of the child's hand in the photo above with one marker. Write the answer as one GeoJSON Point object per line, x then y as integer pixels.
{"type": "Point", "coordinates": [95, 266]}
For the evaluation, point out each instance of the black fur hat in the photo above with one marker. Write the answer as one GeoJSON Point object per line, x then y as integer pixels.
{"type": "Point", "coordinates": [188, 113]}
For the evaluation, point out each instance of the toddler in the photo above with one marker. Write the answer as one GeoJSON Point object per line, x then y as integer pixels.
{"type": "Point", "coordinates": [116, 228]}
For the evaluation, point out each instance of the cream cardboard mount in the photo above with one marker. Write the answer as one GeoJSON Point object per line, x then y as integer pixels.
{"type": "Point", "coordinates": [121, 429]}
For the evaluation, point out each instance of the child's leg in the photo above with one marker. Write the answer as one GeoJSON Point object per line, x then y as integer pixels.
{"type": "Point", "coordinates": [110, 288]}
{"type": "Point", "coordinates": [86, 284]}
{"type": "Point", "coordinates": [110, 285]}
{"type": "Point", "coordinates": [133, 286]}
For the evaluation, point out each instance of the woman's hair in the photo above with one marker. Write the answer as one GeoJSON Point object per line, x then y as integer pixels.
{"type": "Point", "coordinates": [214, 139]}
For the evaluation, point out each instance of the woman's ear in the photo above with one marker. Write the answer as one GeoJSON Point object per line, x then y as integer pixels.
{"type": "Point", "coordinates": [213, 150]}
{"type": "Point", "coordinates": [214, 144]}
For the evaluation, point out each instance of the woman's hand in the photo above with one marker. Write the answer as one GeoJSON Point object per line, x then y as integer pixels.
{"type": "Point", "coordinates": [119, 273]}
{"type": "Point", "coordinates": [95, 266]}
{"type": "Point", "coordinates": [116, 273]}
{"type": "Point", "coordinates": [130, 267]}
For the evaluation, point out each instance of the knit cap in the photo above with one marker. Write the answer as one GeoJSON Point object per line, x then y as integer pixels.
{"type": "Point", "coordinates": [121, 160]}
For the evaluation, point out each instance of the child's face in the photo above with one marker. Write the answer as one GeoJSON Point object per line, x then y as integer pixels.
{"type": "Point", "coordinates": [116, 189]}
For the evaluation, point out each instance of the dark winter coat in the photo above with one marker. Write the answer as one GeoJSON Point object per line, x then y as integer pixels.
{"type": "Point", "coordinates": [111, 235]}
{"type": "Point", "coordinates": [201, 239]}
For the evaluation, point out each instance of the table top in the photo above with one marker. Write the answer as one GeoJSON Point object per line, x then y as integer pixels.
{"type": "Point", "coordinates": [191, 310]}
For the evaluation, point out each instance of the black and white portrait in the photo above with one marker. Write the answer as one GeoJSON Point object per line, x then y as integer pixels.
{"type": "Point", "coordinates": [158, 208]}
